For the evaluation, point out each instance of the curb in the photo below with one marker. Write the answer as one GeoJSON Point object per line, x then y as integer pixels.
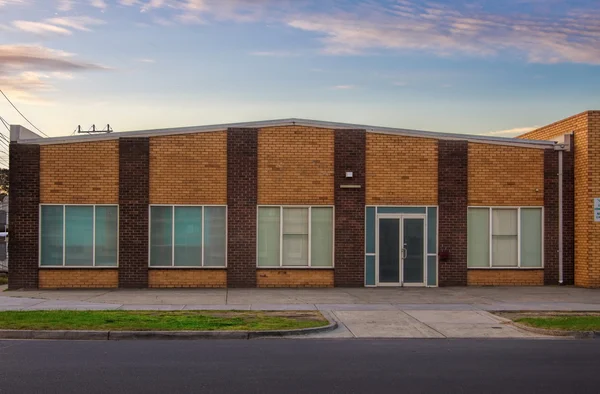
{"type": "Point", "coordinates": [162, 335]}
{"type": "Point", "coordinates": [558, 333]}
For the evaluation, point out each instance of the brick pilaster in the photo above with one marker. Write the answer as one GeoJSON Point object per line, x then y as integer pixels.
{"type": "Point", "coordinates": [24, 201]}
{"type": "Point", "coordinates": [569, 218]}
{"type": "Point", "coordinates": [134, 164]}
{"type": "Point", "coordinates": [242, 197]}
{"type": "Point", "coordinates": [350, 147]}
{"type": "Point", "coordinates": [453, 180]}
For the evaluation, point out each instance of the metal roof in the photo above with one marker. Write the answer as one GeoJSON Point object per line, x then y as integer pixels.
{"type": "Point", "coordinates": [289, 122]}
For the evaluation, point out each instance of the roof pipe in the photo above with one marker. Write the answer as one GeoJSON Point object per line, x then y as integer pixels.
{"type": "Point", "coordinates": [561, 147]}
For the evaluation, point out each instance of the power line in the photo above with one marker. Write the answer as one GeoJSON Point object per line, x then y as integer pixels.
{"type": "Point", "coordinates": [5, 123]}
{"type": "Point", "coordinates": [16, 109]}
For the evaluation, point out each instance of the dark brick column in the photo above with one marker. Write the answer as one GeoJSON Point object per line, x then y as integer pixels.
{"type": "Point", "coordinates": [24, 201]}
{"type": "Point", "coordinates": [350, 146]}
{"type": "Point", "coordinates": [551, 217]}
{"type": "Point", "coordinates": [242, 199]}
{"type": "Point", "coordinates": [134, 186]}
{"type": "Point", "coordinates": [453, 178]}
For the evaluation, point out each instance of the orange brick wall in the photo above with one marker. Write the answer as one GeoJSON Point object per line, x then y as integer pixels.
{"type": "Point", "coordinates": [295, 165]}
{"type": "Point", "coordinates": [189, 169]}
{"type": "Point", "coordinates": [586, 129]}
{"type": "Point", "coordinates": [78, 278]}
{"type": "Point", "coordinates": [175, 278]}
{"type": "Point", "coordinates": [401, 170]}
{"type": "Point", "coordinates": [505, 175]}
{"type": "Point", "coordinates": [294, 278]}
{"type": "Point", "coordinates": [80, 173]}
{"type": "Point", "coordinates": [505, 277]}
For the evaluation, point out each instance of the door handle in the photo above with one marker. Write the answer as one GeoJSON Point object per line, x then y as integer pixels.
{"type": "Point", "coordinates": [404, 253]}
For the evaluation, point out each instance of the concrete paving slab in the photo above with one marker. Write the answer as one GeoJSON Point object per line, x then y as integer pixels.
{"type": "Point", "coordinates": [66, 305]}
{"type": "Point", "coordinates": [356, 307]}
{"type": "Point", "coordinates": [283, 307]}
{"type": "Point", "coordinates": [436, 307]}
{"type": "Point", "coordinates": [289, 296]}
{"type": "Point", "coordinates": [14, 301]}
{"type": "Point", "coordinates": [217, 307]}
{"type": "Point", "coordinates": [164, 296]}
{"type": "Point", "coordinates": [385, 324]}
{"type": "Point", "coordinates": [140, 307]}
{"type": "Point", "coordinates": [459, 317]}
{"type": "Point", "coordinates": [474, 330]}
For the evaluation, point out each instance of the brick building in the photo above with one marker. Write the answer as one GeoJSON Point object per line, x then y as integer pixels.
{"type": "Point", "coordinates": [299, 203]}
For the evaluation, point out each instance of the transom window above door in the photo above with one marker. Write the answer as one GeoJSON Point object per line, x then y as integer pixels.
{"type": "Point", "coordinates": [295, 236]}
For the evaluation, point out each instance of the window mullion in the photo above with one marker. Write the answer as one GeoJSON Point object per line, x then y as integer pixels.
{"type": "Point", "coordinates": [519, 237]}
{"type": "Point", "coordinates": [94, 236]}
{"type": "Point", "coordinates": [173, 236]}
{"type": "Point", "coordinates": [202, 220]}
{"type": "Point", "coordinates": [64, 209]}
{"type": "Point", "coordinates": [491, 240]}
{"type": "Point", "coordinates": [309, 235]}
{"type": "Point", "coordinates": [281, 236]}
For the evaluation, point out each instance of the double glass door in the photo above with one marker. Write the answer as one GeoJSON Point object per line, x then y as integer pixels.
{"type": "Point", "coordinates": [401, 250]}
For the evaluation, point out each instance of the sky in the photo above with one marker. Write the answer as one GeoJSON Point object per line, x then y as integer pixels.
{"type": "Point", "coordinates": [479, 67]}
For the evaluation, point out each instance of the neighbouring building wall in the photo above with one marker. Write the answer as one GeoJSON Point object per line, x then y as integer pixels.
{"type": "Point", "coordinates": [295, 166]}
{"type": "Point", "coordinates": [197, 278]}
{"type": "Point", "coordinates": [401, 170]}
{"type": "Point", "coordinates": [586, 130]}
{"type": "Point", "coordinates": [60, 278]}
{"type": "Point", "coordinates": [80, 173]}
{"type": "Point", "coordinates": [189, 169]}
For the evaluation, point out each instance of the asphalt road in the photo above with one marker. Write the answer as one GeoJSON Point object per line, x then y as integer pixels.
{"type": "Point", "coordinates": [301, 366]}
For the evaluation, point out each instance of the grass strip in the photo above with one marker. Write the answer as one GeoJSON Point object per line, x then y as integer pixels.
{"type": "Point", "coordinates": [160, 320]}
{"type": "Point", "coordinates": [567, 323]}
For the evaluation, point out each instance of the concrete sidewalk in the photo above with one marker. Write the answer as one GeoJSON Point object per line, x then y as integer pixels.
{"type": "Point", "coordinates": [459, 312]}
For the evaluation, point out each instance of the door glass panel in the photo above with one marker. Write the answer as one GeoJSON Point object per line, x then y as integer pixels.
{"type": "Point", "coordinates": [414, 236]}
{"type": "Point", "coordinates": [389, 250]}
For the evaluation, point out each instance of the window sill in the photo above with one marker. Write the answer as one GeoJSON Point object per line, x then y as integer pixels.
{"type": "Point", "coordinates": [49, 267]}
{"type": "Point", "coordinates": [506, 268]}
{"type": "Point", "coordinates": [294, 268]}
{"type": "Point", "coordinates": [186, 268]}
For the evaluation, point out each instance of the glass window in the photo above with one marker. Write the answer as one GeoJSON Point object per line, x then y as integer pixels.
{"type": "Point", "coordinates": [514, 236]}
{"type": "Point", "coordinates": [79, 235]}
{"type": "Point", "coordinates": [188, 236]}
{"type": "Point", "coordinates": [295, 237]}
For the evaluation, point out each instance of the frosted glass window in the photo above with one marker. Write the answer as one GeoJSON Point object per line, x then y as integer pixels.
{"type": "Point", "coordinates": [505, 250]}
{"type": "Point", "coordinates": [161, 236]}
{"type": "Point", "coordinates": [295, 237]}
{"type": "Point", "coordinates": [531, 237]}
{"type": "Point", "coordinates": [188, 236]}
{"type": "Point", "coordinates": [51, 235]}
{"type": "Point", "coordinates": [79, 236]}
{"type": "Point", "coordinates": [106, 236]}
{"type": "Point", "coordinates": [215, 236]}
{"type": "Point", "coordinates": [268, 236]}
{"type": "Point", "coordinates": [321, 237]}
{"type": "Point", "coordinates": [478, 237]}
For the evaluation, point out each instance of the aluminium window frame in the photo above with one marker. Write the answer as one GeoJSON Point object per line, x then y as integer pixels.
{"type": "Point", "coordinates": [309, 266]}
{"type": "Point", "coordinates": [518, 208]}
{"type": "Point", "coordinates": [173, 266]}
{"type": "Point", "coordinates": [64, 226]}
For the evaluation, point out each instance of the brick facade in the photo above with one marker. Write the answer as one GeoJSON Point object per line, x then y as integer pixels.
{"type": "Point", "coordinates": [242, 196]}
{"type": "Point", "coordinates": [295, 278]}
{"type": "Point", "coordinates": [24, 200]}
{"type": "Point", "coordinates": [80, 173]}
{"type": "Point", "coordinates": [65, 278]}
{"type": "Point", "coordinates": [409, 178]}
{"type": "Point", "coordinates": [452, 222]}
{"type": "Point", "coordinates": [295, 166]}
{"type": "Point", "coordinates": [505, 175]}
{"type": "Point", "coordinates": [196, 278]}
{"type": "Point", "coordinates": [189, 169]}
{"type": "Point", "coordinates": [134, 160]}
{"type": "Point", "coordinates": [349, 245]}
{"type": "Point", "coordinates": [505, 277]}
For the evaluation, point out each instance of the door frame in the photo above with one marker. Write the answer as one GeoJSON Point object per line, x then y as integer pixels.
{"type": "Point", "coordinates": [401, 217]}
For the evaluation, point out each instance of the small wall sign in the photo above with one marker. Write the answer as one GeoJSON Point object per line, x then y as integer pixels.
{"type": "Point", "coordinates": [597, 209]}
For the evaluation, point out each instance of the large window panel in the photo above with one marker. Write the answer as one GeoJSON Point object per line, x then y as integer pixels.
{"type": "Point", "coordinates": [106, 236]}
{"type": "Point", "coordinates": [531, 237]}
{"type": "Point", "coordinates": [268, 236]}
{"type": "Point", "coordinates": [321, 237]}
{"type": "Point", "coordinates": [79, 236]}
{"type": "Point", "coordinates": [295, 237]}
{"type": "Point", "coordinates": [51, 253]}
{"type": "Point", "coordinates": [505, 247]}
{"type": "Point", "coordinates": [161, 237]}
{"type": "Point", "coordinates": [188, 237]}
{"type": "Point", "coordinates": [478, 237]}
{"type": "Point", "coordinates": [215, 236]}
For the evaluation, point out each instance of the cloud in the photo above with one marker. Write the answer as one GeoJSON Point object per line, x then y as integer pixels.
{"type": "Point", "coordinates": [275, 53]}
{"type": "Point", "coordinates": [61, 26]}
{"type": "Point", "coordinates": [343, 87]}
{"type": "Point", "coordinates": [11, 2]}
{"type": "Point", "coordinates": [146, 60]}
{"type": "Point", "coordinates": [26, 71]}
{"type": "Point", "coordinates": [511, 132]}
{"type": "Point", "coordinates": [98, 4]}
{"type": "Point", "coordinates": [65, 5]}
